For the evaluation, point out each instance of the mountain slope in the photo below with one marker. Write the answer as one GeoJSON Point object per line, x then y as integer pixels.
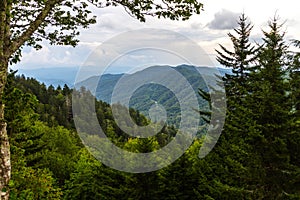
{"type": "Point", "coordinates": [144, 97]}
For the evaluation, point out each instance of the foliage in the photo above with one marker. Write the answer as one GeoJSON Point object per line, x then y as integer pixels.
{"type": "Point", "coordinates": [258, 127]}
{"type": "Point", "coordinates": [256, 157]}
{"type": "Point", "coordinates": [29, 22]}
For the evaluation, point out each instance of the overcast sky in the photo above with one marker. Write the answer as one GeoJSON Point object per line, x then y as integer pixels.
{"type": "Point", "coordinates": [207, 29]}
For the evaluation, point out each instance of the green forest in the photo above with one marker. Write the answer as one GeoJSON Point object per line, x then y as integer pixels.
{"type": "Point", "coordinates": [257, 155]}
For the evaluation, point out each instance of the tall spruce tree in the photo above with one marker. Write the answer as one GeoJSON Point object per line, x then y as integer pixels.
{"type": "Point", "coordinates": [294, 75]}
{"type": "Point", "coordinates": [230, 163]}
{"type": "Point", "coordinates": [240, 60]}
{"type": "Point", "coordinates": [270, 105]}
{"type": "Point", "coordinates": [293, 139]}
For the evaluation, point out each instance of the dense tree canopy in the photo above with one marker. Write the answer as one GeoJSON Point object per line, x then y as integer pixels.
{"type": "Point", "coordinates": [256, 157]}
{"type": "Point", "coordinates": [28, 22]}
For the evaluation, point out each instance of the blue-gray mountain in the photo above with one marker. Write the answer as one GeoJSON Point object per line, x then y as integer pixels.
{"type": "Point", "coordinates": [52, 76]}
{"type": "Point", "coordinates": [153, 93]}
{"type": "Point", "coordinates": [144, 97]}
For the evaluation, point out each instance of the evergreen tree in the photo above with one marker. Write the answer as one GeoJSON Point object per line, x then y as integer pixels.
{"type": "Point", "coordinates": [28, 181]}
{"type": "Point", "coordinates": [270, 105]}
{"type": "Point", "coordinates": [232, 165]}
{"type": "Point", "coordinates": [294, 75]}
{"type": "Point", "coordinates": [240, 60]}
{"type": "Point", "coordinates": [92, 180]}
{"type": "Point", "coordinates": [293, 138]}
{"type": "Point", "coordinates": [181, 179]}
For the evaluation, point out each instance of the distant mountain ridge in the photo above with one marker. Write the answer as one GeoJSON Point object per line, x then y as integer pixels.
{"type": "Point", "coordinates": [52, 76]}
{"type": "Point", "coordinates": [67, 75]}
{"type": "Point", "coordinates": [143, 98]}
{"type": "Point", "coordinates": [149, 94]}
{"type": "Point", "coordinates": [107, 82]}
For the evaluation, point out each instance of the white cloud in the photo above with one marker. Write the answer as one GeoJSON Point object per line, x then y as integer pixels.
{"type": "Point", "coordinates": [224, 20]}
{"type": "Point", "coordinates": [113, 21]}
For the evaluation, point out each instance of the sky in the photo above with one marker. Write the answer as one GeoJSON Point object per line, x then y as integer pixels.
{"type": "Point", "coordinates": [208, 29]}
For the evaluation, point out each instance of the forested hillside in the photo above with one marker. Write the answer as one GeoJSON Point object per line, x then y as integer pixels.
{"type": "Point", "coordinates": [256, 157]}
{"type": "Point", "coordinates": [149, 94]}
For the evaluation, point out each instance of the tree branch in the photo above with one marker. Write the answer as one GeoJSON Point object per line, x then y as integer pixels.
{"type": "Point", "coordinates": [18, 42]}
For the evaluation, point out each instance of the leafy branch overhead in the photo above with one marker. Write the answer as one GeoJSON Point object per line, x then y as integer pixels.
{"type": "Point", "coordinates": [28, 22]}
{"type": "Point", "coordinates": [53, 20]}
{"type": "Point", "coordinates": [173, 9]}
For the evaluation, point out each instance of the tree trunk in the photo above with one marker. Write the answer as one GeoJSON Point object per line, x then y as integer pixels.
{"type": "Point", "coordinates": [5, 166]}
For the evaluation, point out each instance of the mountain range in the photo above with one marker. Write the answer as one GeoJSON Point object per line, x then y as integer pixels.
{"type": "Point", "coordinates": [153, 92]}
{"type": "Point", "coordinates": [144, 96]}
{"type": "Point", "coordinates": [52, 76]}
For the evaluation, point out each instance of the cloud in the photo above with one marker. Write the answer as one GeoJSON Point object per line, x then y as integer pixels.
{"type": "Point", "coordinates": [54, 56]}
{"type": "Point", "coordinates": [224, 20]}
{"type": "Point", "coordinates": [207, 30]}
